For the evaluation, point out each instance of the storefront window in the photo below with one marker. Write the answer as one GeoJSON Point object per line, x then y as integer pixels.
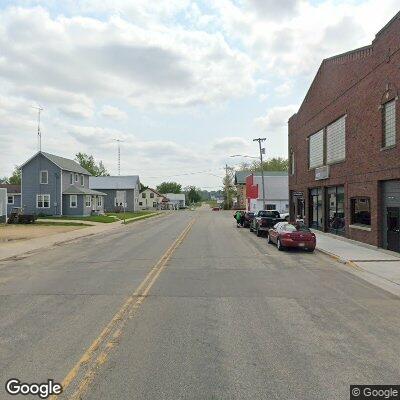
{"type": "Point", "coordinates": [361, 211]}
{"type": "Point", "coordinates": [316, 214]}
{"type": "Point", "coordinates": [335, 210]}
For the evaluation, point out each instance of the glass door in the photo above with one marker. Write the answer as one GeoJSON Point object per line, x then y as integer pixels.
{"type": "Point", "coordinates": [335, 213]}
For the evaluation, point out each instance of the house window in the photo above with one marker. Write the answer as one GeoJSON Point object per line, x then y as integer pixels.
{"type": "Point", "coordinates": [361, 211]}
{"type": "Point", "coordinates": [271, 206]}
{"type": "Point", "coordinates": [99, 201]}
{"type": "Point", "coordinates": [44, 177]}
{"type": "Point", "coordinates": [76, 177]}
{"type": "Point", "coordinates": [10, 199]}
{"type": "Point", "coordinates": [143, 195]}
{"type": "Point", "coordinates": [88, 201]}
{"type": "Point", "coordinates": [71, 178]}
{"type": "Point", "coordinates": [152, 195]}
{"type": "Point", "coordinates": [154, 204]}
{"type": "Point", "coordinates": [82, 180]}
{"type": "Point", "coordinates": [389, 124]}
{"type": "Point", "coordinates": [140, 203]}
{"type": "Point", "coordinates": [316, 150]}
{"type": "Point", "coordinates": [73, 201]}
{"type": "Point", "coordinates": [336, 141]}
{"type": "Point", "coordinates": [42, 201]}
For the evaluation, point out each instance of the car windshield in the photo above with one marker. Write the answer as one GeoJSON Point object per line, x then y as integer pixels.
{"type": "Point", "coordinates": [293, 228]}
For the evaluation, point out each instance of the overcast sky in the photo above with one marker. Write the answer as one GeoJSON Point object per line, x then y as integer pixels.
{"type": "Point", "coordinates": [184, 83]}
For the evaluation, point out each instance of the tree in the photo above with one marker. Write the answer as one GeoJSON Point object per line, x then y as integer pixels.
{"type": "Point", "coordinates": [272, 164]}
{"type": "Point", "coordinates": [169, 187]}
{"type": "Point", "coordinates": [229, 188]}
{"type": "Point", "coordinates": [15, 178]}
{"type": "Point", "coordinates": [3, 180]}
{"type": "Point", "coordinates": [193, 194]}
{"type": "Point", "coordinates": [89, 163]}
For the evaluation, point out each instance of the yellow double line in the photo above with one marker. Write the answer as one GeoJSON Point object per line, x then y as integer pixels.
{"type": "Point", "coordinates": [110, 335]}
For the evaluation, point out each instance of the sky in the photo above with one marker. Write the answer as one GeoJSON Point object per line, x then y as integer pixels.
{"type": "Point", "coordinates": [185, 84]}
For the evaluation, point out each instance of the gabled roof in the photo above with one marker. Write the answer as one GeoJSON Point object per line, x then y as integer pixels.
{"type": "Point", "coordinates": [11, 188]}
{"type": "Point", "coordinates": [64, 163]}
{"type": "Point", "coordinates": [152, 190]}
{"type": "Point", "coordinates": [114, 182]}
{"type": "Point", "coordinates": [82, 190]}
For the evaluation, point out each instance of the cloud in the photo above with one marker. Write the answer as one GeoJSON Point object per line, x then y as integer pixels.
{"type": "Point", "coordinates": [113, 113]}
{"type": "Point", "coordinates": [114, 58]}
{"type": "Point", "coordinates": [272, 9]}
{"type": "Point", "coordinates": [227, 144]}
{"type": "Point", "coordinates": [276, 118]}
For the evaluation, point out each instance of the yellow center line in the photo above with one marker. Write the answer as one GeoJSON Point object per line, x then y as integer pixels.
{"type": "Point", "coordinates": [126, 311]}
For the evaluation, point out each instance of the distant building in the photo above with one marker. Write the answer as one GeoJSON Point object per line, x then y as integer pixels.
{"type": "Point", "coordinates": [150, 199]}
{"type": "Point", "coordinates": [13, 196]}
{"type": "Point", "coordinates": [276, 188]}
{"type": "Point", "coordinates": [176, 200]}
{"type": "Point", "coordinates": [344, 151]}
{"type": "Point", "coordinates": [240, 184]}
{"type": "Point", "coordinates": [120, 190]}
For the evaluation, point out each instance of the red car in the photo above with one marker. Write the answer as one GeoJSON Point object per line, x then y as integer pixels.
{"type": "Point", "coordinates": [286, 235]}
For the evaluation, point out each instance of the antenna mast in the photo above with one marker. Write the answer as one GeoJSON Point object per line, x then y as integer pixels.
{"type": "Point", "coordinates": [39, 132]}
{"type": "Point", "coordinates": [119, 154]}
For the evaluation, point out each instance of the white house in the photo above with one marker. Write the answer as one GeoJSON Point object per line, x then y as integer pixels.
{"type": "Point", "coordinates": [176, 200]}
{"type": "Point", "coordinates": [150, 199]}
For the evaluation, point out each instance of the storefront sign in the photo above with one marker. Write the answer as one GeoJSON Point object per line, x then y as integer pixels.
{"type": "Point", "coordinates": [298, 194]}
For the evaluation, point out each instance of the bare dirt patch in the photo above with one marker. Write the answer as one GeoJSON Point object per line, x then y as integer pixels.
{"type": "Point", "coordinates": [17, 233]}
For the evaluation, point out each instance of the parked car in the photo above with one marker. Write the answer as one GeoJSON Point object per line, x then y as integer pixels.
{"type": "Point", "coordinates": [286, 235]}
{"type": "Point", "coordinates": [264, 220]}
{"type": "Point", "coordinates": [215, 209]}
{"type": "Point", "coordinates": [248, 217]}
{"type": "Point", "coordinates": [285, 216]}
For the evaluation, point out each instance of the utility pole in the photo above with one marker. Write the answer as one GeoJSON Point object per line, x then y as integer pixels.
{"type": "Point", "coordinates": [260, 140]}
{"type": "Point", "coordinates": [39, 132]}
{"type": "Point", "coordinates": [227, 187]}
{"type": "Point", "coordinates": [119, 155]}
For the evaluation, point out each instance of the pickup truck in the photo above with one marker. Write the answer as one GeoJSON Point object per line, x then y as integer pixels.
{"type": "Point", "coordinates": [264, 220]}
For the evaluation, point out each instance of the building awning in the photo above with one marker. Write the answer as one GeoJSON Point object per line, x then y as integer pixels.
{"type": "Point", "coordinates": [78, 190]}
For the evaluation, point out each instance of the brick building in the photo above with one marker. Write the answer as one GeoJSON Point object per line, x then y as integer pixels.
{"type": "Point", "coordinates": [344, 150]}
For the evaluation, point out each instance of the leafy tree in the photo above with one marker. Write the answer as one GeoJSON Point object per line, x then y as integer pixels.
{"type": "Point", "coordinates": [15, 178]}
{"type": "Point", "coordinates": [169, 187]}
{"type": "Point", "coordinates": [89, 163]}
{"type": "Point", "coordinates": [229, 188]}
{"type": "Point", "coordinates": [272, 164]}
{"type": "Point", "coordinates": [4, 180]}
{"type": "Point", "coordinates": [193, 194]}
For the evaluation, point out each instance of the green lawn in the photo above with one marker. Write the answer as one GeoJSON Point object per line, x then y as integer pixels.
{"type": "Point", "coordinates": [61, 223]}
{"type": "Point", "coordinates": [109, 217]}
{"type": "Point", "coordinates": [89, 218]}
{"type": "Point", "coordinates": [129, 214]}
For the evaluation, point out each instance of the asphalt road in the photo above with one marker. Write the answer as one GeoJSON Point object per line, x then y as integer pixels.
{"type": "Point", "coordinates": [174, 309]}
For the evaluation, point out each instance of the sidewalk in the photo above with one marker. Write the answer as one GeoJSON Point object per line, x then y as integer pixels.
{"type": "Point", "coordinates": [378, 266]}
{"type": "Point", "coordinates": [18, 249]}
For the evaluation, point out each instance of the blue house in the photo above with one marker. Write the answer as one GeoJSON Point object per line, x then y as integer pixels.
{"type": "Point", "coordinates": [54, 185]}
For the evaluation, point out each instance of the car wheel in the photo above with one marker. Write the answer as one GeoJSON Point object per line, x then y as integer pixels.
{"type": "Point", "coordinates": [279, 245]}
{"type": "Point", "coordinates": [310, 250]}
{"type": "Point", "coordinates": [269, 239]}
{"type": "Point", "coordinates": [259, 233]}
{"type": "Point", "coordinates": [251, 229]}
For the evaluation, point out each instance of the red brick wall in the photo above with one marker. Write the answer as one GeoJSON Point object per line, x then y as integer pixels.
{"type": "Point", "coordinates": [356, 85]}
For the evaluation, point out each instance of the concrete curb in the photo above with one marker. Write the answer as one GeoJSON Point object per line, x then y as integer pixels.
{"type": "Point", "coordinates": [339, 259]}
